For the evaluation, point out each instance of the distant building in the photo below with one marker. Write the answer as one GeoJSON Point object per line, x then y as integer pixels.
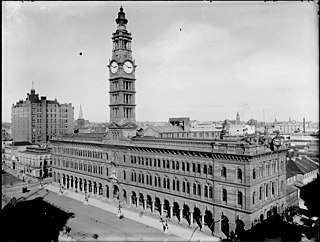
{"type": "Point", "coordinates": [6, 131]}
{"type": "Point", "coordinates": [291, 126]}
{"type": "Point", "coordinates": [37, 120]}
{"type": "Point", "coordinates": [180, 128]}
{"type": "Point", "coordinates": [10, 155]}
{"type": "Point", "coordinates": [35, 162]}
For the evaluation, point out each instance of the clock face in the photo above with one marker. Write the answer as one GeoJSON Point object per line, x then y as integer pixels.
{"type": "Point", "coordinates": [128, 67]}
{"type": "Point", "coordinates": [114, 67]}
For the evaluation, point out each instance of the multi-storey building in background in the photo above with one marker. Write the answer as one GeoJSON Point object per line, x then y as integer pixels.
{"type": "Point", "coordinates": [220, 185]}
{"type": "Point", "coordinates": [37, 119]}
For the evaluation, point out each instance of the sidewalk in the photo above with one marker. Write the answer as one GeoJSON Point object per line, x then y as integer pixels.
{"type": "Point", "coordinates": [186, 234]}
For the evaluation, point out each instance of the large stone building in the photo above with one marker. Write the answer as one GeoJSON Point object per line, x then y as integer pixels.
{"type": "Point", "coordinates": [36, 120]}
{"type": "Point", "coordinates": [220, 185]}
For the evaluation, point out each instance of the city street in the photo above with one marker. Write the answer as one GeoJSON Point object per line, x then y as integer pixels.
{"type": "Point", "coordinates": [89, 221]}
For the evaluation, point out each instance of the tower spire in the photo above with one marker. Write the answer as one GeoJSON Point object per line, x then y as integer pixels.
{"type": "Point", "coordinates": [80, 113]}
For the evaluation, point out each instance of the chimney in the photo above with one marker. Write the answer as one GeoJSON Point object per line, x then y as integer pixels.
{"type": "Point", "coordinates": [304, 124]}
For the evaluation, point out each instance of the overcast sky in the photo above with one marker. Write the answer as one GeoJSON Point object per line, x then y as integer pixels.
{"type": "Point", "coordinates": [202, 60]}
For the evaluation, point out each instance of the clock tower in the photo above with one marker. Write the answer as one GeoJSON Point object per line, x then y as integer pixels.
{"type": "Point", "coordinates": [122, 83]}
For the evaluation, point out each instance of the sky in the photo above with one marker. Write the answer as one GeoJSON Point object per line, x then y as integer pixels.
{"type": "Point", "coordinates": [203, 60]}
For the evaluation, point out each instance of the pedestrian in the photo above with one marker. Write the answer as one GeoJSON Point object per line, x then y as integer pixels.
{"type": "Point", "coordinates": [167, 225]}
{"type": "Point", "coordinates": [164, 228]}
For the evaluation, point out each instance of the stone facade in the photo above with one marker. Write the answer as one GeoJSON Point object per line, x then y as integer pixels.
{"type": "Point", "coordinates": [219, 185]}
{"type": "Point", "coordinates": [36, 119]}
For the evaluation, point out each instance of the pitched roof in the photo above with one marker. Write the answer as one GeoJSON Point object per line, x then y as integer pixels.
{"type": "Point", "coordinates": [292, 169]}
{"type": "Point", "coordinates": [305, 165]}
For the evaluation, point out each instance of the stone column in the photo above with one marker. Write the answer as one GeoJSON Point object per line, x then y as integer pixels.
{"type": "Point", "coordinates": [152, 206]}
{"type": "Point", "coordinates": [171, 212]}
{"type": "Point", "coordinates": [191, 218]}
{"type": "Point", "coordinates": [181, 215]}
{"type": "Point", "coordinates": [202, 220]}
{"type": "Point", "coordinates": [145, 204]}
{"type": "Point", "coordinates": [130, 200]}
{"type": "Point", "coordinates": [161, 209]}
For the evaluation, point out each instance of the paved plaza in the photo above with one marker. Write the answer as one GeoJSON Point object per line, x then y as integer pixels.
{"type": "Point", "coordinates": [98, 220]}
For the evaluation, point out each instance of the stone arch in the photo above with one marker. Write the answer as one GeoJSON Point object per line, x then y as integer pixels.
{"type": "Point", "coordinates": [115, 194]}
{"type": "Point", "coordinates": [197, 215]}
{"type": "Point", "coordinates": [157, 205]}
{"type": "Point", "coordinates": [100, 193]}
{"type": "Point", "coordinates": [141, 200]}
{"type": "Point", "coordinates": [95, 188]}
{"type": "Point", "coordinates": [68, 182]}
{"type": "Point", "coordinates": [134, 198]}
{"type": "Point", "coordinates": [75, 183]}
{"type": "Point", "coordinates": [176, 210]}
{"type": "Point", "coordinates": [124, 194]}
{"type": "Point", "coordinates": [225, 225]}
{"type": "Point", "coordinates": [209, 220]}
{"type": "Point", "coordinates": [107, 191]}
{"type": "Point", "coordinates": [239, 230]}
{"type": "Point", "coordinates": [186, 213]}
{"type": "Point", "coordinates": [166, 208]}
{"type": "Point", "coordinates": [80, 184]}
{"type": "Point", "coordinates": [149, 202]}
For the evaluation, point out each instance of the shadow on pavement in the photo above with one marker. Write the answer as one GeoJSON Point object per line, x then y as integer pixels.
{"type": "Point", "coordinates": [33, 220]}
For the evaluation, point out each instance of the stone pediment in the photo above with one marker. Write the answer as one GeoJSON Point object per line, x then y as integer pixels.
{"type": "Point", "coordinates": [129, 125]}
{"type": "Point", "coordinates": [114, 125]}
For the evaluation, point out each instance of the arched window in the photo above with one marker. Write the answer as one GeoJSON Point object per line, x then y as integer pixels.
{"type": "Point", "coordinates": [204, 169]}
{"type": "Point", "coordinates": [194, 189]}
{"type": "Point", "coordinates": [164, 183]}
{"type": "Point", "coordinates": [178, 187]}
{"type": "Point", "coordinates": [210, 169]}
{"type": "Point", "coordinates": [193, 167]}
{"type": "Point", "coordinates": [199, 189]}
{"type": "Point", "coordinates": [188, 187]}
{"type": "Point", "coordinates": [168, 183]}
{"type": "Point", "coordinates": [177, 165]}
{"type": "Point", "coordinates": [267, 190]}
{"type": "Point", "coordinates": [159, 182]}
{"type": "Point", "coordinates": [183, 166]}
{"type": "Point", "coordinates": [210, 191]}
{"type": "Point", "coordinates": [172, 164]}
{"type": "Point", "coordinates": [198, 168]}
{"type": "Point", "coordinates": [142, 178]}
{"type": "Point", "coordinates": [183, 186]}
{"type": "Point", "coordinates": [239, 198]}
{"type": "Point", "coordinates": [260, 193]}
{"type": "Point", "coordinates": [147, 179]}
{"type": "Point", "coordinates": [168, 164]}
{"type": "Point", "coordinates": [164, 164]}
{"type": "Point", "coordinates": [124, 158]}
{"type": "Point", "coordinates": [173, 184]}
{"type": "Point", "coordinates": [150, 180]}
{"type": "Point", "coordinates": [272, 189]}
{"type": "Point", "coordinates": [155, 162]}
{"type": "Point", "coordinates": [224, 172]}
{"type": "Point", "coordinates": [254, 174]}
{"type": "Point", "coordinates": [132, 176]}
{"type": "Point", "coordinates": [124, 175]}
{"type": "Point", "coordinates": [224, 195]}
{"type": "Point", "coordinates": [139, 178]}
{"type": "Point", "coordinates": [239, 174]}
{"type": "Point", "coordinates": [188, 166]}
{"type": "Point", "coordinates": [253, 197]}
{"type": "Point", "coordinates": [155, 181]}
{"type": "Point", "coordinates": [268, 169]}
{"type": "Point", "coordinates": [206, 191]}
